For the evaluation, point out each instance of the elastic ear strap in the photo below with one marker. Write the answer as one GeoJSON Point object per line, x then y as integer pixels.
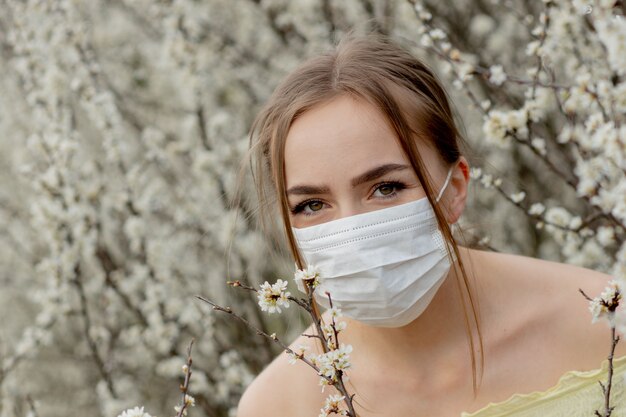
{"type": "Point", "coordinates": [445, 184]}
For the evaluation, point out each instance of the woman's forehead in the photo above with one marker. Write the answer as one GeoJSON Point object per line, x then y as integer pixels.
{"type": "Point", "coordinates": [340, 137]}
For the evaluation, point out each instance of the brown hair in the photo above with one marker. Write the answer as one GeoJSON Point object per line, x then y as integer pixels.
{"type": "Point", "coordinates": [407, 93]}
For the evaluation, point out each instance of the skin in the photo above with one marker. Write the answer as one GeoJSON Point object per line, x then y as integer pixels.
{"type": "Point", "coordinates": [535, 323]}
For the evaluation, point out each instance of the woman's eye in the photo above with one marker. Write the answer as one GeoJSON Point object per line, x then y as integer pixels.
{"type": "Point", "coordinates": [308, 207]}
{"type": "Point", "coordinates": [314, 205]}
{"type": "Point", "coordinates": [387, 189]}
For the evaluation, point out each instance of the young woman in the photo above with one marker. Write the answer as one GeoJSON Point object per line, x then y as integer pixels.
{"type": "Point", "coordinates": [360, 152]}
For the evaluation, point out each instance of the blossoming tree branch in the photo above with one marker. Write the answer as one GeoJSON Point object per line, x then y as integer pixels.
{"type": "Point", "coordinates": [332, 364]}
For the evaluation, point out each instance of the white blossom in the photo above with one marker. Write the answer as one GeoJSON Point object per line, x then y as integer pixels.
{"type": "Point", "coordinates": [499, 125]}
{"type": "Point", "coordinates": [335, 312]}
{"type": "Point", "coordinates": [536, 209]}
{"type": "Point", "coordinates": [539, 144]}
{"type": "Point", "coordinates": [605, 304]}
{"type": "Point", "coordinates": [340, 325]}
{"type": "Point", "coordinates": [437, 34]}
{"type": "Point", "coordinates": [310, 274]}
{"type": "Point", "coordinates": [134, 412]}
{"type": "Point", "coordinates": [465, 71]}
{"type": "Point", "coordinates": [297, 353]}
{"type": "Point", "coordinates": [332, 406]}
{"type": "Point", "coordinates": [532, 48]}
{"type": "Point", "coordinates": [272, 296]}
{"type": "Point", "coordinates": [605, 235]}
{"type": "Point", "coordinates": [518, 197]}
{"type": "Point", "coordinates": [558, 216]}
{"type": "Point", "coordinates": [329, 363]}
{"type": "Point", "coordinates": [487, 180]}
{"type": "Point", "coordinates": [475, 172]}
{"type": "Point", "coordinates": [497, 76]}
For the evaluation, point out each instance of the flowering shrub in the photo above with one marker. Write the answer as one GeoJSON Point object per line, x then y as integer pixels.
{"type": "Point", "coordinates": [123, 124]}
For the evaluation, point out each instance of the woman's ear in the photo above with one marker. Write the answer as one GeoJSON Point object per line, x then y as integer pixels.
{"type": "Point", "coordinates": [459, 182]}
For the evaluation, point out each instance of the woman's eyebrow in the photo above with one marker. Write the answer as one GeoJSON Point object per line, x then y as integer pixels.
{"type": "Point", "coordinates": [308, 189]}
{"type": "Point", "coordinates": [367, 176]}
{"type": "Point", "coordinates": [377, 172]}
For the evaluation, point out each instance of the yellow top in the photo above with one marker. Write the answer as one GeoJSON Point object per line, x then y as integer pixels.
{"type": "Point", "coordinates": [576, 394]}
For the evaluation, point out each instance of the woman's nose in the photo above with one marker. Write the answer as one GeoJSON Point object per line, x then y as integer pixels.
{"type": "Point", "coordinates": [349, 209]}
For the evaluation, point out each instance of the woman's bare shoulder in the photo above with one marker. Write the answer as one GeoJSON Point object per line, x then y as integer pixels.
{"type": "Point", "coordinates": [546, 283]}
{"type": "Point", "coordinates": [559, 313]}
{"type": "Point", "coordinates": [588, 342]}
{"type": "Point", "coordinates": [283, 388]}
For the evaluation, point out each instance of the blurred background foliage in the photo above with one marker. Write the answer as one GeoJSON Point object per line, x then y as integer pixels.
{"type": "Point", "coordinates": [123, 125]}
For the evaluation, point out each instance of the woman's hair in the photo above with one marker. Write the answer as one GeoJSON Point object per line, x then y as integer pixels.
{"type": "Point", "coordinates": [373, 68]}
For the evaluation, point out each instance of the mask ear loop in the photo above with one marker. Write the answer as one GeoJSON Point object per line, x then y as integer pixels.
{"type": "Point", "coordinates": [445, 184]}
{"type": "Point", "coordinates": [437, 235]}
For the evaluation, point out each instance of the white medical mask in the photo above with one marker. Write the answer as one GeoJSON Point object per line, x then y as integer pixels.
{"type": "Point", "coordinates": [382, 267]}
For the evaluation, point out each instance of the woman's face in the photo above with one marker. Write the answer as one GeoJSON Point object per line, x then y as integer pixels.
{"type": "Point", "coordinates": [342, 159]}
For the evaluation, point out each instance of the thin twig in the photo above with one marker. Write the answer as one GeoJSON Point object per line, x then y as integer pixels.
{"type": "Point", "coordinates": [606, 388]}
{"type": "Point", "coordinates": [31, 405]}
{"type": "Point", "coordinates": [257, 330]}
{"type": "Point", "coordinates": [184, 388]}
{"type": "Point", "coordinates": [338, 384]}
{"type": "Point", "coordinates": [607, 395]}
{"type": "Point", "coordinates": [610, 305]}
